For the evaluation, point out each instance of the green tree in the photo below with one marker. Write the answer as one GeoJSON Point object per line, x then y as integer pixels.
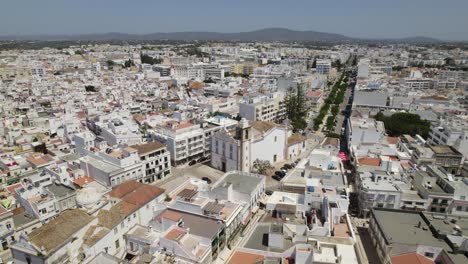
{"type": "Point", "coordinates": [404, 123]}
{"type": "Point", "coordinates": [262, 166]}
{"type": "Point", "coordinates": [110, 63]}
{"type": "Point", "coordinates": [128, 63]}
{"type": "Point", "coordinates": [337, 64]}
{"type": "Point", "coordinates": [296, 110]}
{"type": "Point", "coordinates": [146, 59]}
{"type": "Point", "coordinates": [90, 88]}
{"type": "Point", "coordinates": [314, 63]}
{"type": "Point", "coordinates": [449, 61]}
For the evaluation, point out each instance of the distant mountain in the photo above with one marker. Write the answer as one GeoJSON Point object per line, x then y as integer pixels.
{"type": "Point", "coordinates": [420, 39]}
{"type": "Point", "coordinates": [267, 34]}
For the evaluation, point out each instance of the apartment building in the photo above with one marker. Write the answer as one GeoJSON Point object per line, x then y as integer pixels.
{"type": "Point", "coordinates": [323, 67]}
{"type": "Point", "coordinates": [452, 132]}
{"type": "Point", "coordinates": [418, 83]}
{"type": "Point", "coordinates": [270, 108]}
{"type": "Point", "coordinates": [397, 235]}
{"type": "Point", "coordinates": [113, 166]}
{"type": "Point", "coordinates": [155, 159]}
{"type": "Point", "coordinates": [43, 197]}
{"type": "Point", "coordinates": [120, 131]}
{"type": "Point", "coordinates": [363, 130]}
{"type": "Point", "coordinates": [377, 189]}
{"type": "Point", "coordinates": [431, 186]}
{"type": "Point", "coordinates": [185, 141]}
{"type": "Point", "coordinates": [448, 158]}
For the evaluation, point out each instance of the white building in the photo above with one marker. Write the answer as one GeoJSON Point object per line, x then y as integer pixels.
{"type": "Point", "coordinates": [323, 67]}
{"type": "Point", "coordinates": [452, 132]}
{"type": "Point", "coordinates": [239, 148]}
{"type": "Point", "coordinates": [155, 160]}
{"type": "Point", "coordinates": [264, 108]}
{"type": "Point", "coordinates": [185, 141]}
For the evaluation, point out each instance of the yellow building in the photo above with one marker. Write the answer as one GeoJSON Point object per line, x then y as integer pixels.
{"type": "Point", "coordinates": [237, 69]}
{"type": "Point", "coordinates": [10, 72]}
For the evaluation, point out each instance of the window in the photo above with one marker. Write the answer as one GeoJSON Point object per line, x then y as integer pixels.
{"type": "Point", "coordinates": [122, 225]}
{"type": "Point", "coordinates": [117, 244]}
{"type": "Point", "coordinates": [8, 226]}
{"type": "Point", "coordinates": [459, 208]}
{"type": "Point", "coordinates": [116, 230]}
{"type": "Point", "coordinates": [274, 158]}
{"type": "Point", "coordinates": [276, 138]}
{"type": "Point", "coordinates": [462, 197]}
{"type": "Point", "coordinates": [429, 254]}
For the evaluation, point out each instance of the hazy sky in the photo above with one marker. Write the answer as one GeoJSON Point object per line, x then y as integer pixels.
{"type": "Point", "coordinates": [444, 19]}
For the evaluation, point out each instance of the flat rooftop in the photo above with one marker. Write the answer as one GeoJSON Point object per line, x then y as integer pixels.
{"type": "Point", "coordinates": [401, 227]}
{"type": "Point", "coordinates": [241, 183]}
{"type": "Point", "coordinates": [259, 240]}
{"type": "Point", "coordinates": [445, 150]}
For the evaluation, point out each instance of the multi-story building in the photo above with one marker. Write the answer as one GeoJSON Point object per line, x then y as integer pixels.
{"type": "Point", "coordinates": [399, 235]}
{"type": "Point", "coordinates": [155, 159]}
{"type": "Point", "coordinates": [269, 108]}
{"type": "Point", "coordinates": [42, 197]}
{"type": "Point", "coordinates": [453, 75]}
{"type": "Point", "coordinates": [113, 166]}
{"type": "Point", "coordinates": [10, 72]}
{"type": "Point", "coordinates": [363, 130]}
{"type": "Point", "coordinates": [448, 158]}
{"type": "Point", "coordinates": [164, 71]}
{"type": "Point", "coordinates": [120, 131]}
{"type": "Point", "coordinates": [240, 186]}
{"type": "Point", "coordinates": [452, 132]}
{"type": "Point", "coordinates": [418, 83]}
{"type": "Point", "coordinates": [422, 156]}
{"type": "Point", "coordinates": [432, 187]}
{"type": "Point", "coordinates": [323, 67]}
{"type": "Point", "coordinates": [185, 141]}
{"type": "Point", "coordinates": [377, 189]}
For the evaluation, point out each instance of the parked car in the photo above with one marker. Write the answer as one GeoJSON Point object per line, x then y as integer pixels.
{"type": "Point", "coordinates": [280, 173]}
{"type": "Point", "coordinates": [276, 177]}
{"type": "Point", "coordinates": [206, 179]}
{"type": "Point", "coordinates": [284, 168]}
{"type": "Point", "coordinates": [288, 166]}
{"type": "Point", "coordinates": [193, 162]}
{"type": "Point", "coordinates": [268, 192]}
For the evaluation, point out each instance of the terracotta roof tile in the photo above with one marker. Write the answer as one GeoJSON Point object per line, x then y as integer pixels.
{"type": "Point", "coordinates": [239, 257]}
{"type": "Point", "coordinates": [171, 215]}
{"type": "Point", "coordinates": [392, 140]}
{"type": "Point", "coordinates": [411, 258]}
{"type": "Point", "coordinates": [369, 161]}
{"type": "Point", "coordinates": [125, 188]}
{"type": "Point", "coordinates": [148, 147]}
{"type": "Point", "coordinates": [83, 180]}
{"type": "Point", "coordinates": [143, 195]}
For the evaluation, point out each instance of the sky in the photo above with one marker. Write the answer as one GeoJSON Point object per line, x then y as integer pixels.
{"type": "Point", "coordinates": [443, 19]}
